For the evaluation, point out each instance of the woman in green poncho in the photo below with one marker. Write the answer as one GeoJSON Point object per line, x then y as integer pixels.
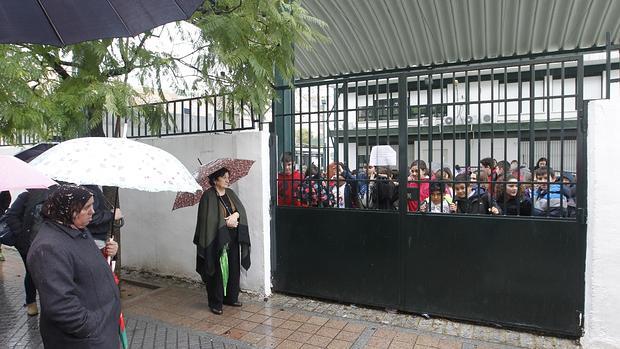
{"type": "Point", "coordinates": [222, 242]}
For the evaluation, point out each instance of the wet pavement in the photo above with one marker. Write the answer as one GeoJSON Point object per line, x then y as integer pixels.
{"type": "Point", "coordinates": [170, 313]}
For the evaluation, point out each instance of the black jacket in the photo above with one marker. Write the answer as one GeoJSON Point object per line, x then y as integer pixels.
{"type": "Point", "coordinates": [5, 201]}
{"type": "Point", "coordinates": [23, 217]}
{"type": "Point", "coordinates": [515, 206]}
{"type": "Point", "coordinates": [80, 302]}
{"type": "Point", "coordinates": [478, 203]}
{"type": "Point", "coordinates": [100, 223]}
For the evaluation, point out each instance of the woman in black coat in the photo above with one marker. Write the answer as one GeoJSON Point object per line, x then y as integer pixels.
{"type": "Point", "coordinates": [80, 302]}
{"type": "Point", "coordinates": [221, 226]}
{"type": "Point", "coordinates": [510, 197]}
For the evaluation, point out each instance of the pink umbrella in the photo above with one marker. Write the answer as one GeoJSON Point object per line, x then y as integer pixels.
{"type": "Point", "coordinates": [16, 174]}
{"type": "Point", "coordinates": [238, 169]}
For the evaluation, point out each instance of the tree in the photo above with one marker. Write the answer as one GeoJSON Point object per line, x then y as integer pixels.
{"type": "Point", "coordinates": [240, 45]}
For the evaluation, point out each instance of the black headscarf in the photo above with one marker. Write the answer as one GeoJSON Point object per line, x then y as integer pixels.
{"type": "Point", "coordinates": [64, 202]}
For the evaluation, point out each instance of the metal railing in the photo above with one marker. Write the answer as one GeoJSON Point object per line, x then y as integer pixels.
{"type": "Point", "coordinates": [449, 121]}
{"type": "Point", "coordinates": [182, 117]}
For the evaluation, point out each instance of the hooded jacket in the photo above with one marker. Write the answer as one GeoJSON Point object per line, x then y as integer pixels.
{"type": "Point", "coordinates": [550, 203]}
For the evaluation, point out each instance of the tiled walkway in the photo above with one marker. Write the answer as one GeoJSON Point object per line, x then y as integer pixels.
{"type": "Point", "coordinates": [18, 330]}
{"type": "Point", "coordinates": [176, 315]}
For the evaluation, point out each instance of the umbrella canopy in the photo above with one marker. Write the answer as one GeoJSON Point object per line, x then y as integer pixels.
{"type": "Point", "coordinates": [32, 152]}
{"type": "Point", "coordinates": [17, 174]}
{"type": "Point", "coordinates": [117, 162]}
{"type": "Point", "coordinates": [64, 22]}
{"type": "Point", "coordinates": [238, 168]}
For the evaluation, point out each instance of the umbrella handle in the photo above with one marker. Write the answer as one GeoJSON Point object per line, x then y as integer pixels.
{"type": "Point", "coordinates": [114, 213]}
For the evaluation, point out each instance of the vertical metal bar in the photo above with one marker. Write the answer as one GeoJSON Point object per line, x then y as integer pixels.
{"type": "Point", "coordinates": [242, 114]}
{"type": "Point", "coordinates": [519, 110]}
{"type": "Point", "coordinates": [232, 114]}
{"type": "Point", "coordinates": [309, 129]}
{"type": "Point", "coordinates": [318, 127]}
{"type": "Point", "coordinates": [454, 106]}
{"type": "Point", "coordinates": [224, 113]}
{"type": "Point", "coordinates": [215, 114]}
{"type": "Point", "coordinates": [607, 65]}
{"type": "Point", "coordinates": [582, 125]}
{"type": "Point", "coordinates": [506, 116]}
{"type": "Point", "coordinates": [367, 147]}
{"type": "Point", "coordinates": [562, 77]}
{"type": "Point", "coordinates": [198, 114]}
{"type": "Point", "coordinates": [419, 140]}
{"type": "Point", "coordinates": [548, 126]}
{"type": "Point", "coordinates": [182, 116]}
{"type": "Point", "coordinates": [506, 138]}
{"type": "Point", "coordinates": [337, 145]}
{"type": "Point", "coordinates": [299, 124]}
{"type": "Point", "coordinates": [402, 167]}
{"type": "Point", "coordinates": [480, 128]}
{"type": "Point", "coordinates": [441, 137]}
{"type": "Point", "coordinates": [376, 110]}
{"type": "Point", "coordinates": [429, 113]}
{"type": "Point", "coordinates": [493, 115]}
{"type": "Point", "coordinates": [532, 135]}
{"type": "Point", "coordinates": [143, 119]}
{"type": "Point", "coordinates": [357, 141]}
{"type": "Point", "coordinates": [345, 127]}
{"type": "Point", "coordinates": [327, 137]}
{"type": "Point", "coordinates": [387, 111]}
{"type": "Point", "coordinates": [191, 114]}
{"type": "Point", "coordinates": [174, 111]}
{"type": "Point", "coordinates": [132, 121]}
{"type": "Point", "coordinates": [467, 142]}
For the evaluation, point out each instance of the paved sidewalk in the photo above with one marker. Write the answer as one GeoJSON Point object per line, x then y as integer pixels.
{"type": "Point", "coordinates": [18, 330]}
{"type": "Point", "coordinates": [174, 314]}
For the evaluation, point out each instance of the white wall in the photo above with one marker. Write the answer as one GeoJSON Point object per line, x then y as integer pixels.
{"type": "Point", "coordinates": [602, 306]}
{"type": "Point", "coordinates": [157, 239]}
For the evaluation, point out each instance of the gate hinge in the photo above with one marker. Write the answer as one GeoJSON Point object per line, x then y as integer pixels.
{"type": "Point", "coordinates": [582, 215]}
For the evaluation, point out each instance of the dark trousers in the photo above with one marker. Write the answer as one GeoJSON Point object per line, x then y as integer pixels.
{"type": "Point", "coordinates": [31, 291]}
{"type": "Point", "coordinates": [215, 284]}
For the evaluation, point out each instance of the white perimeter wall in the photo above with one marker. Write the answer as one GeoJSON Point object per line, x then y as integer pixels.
{"type": "Point", "coordinates": [602, 306]}
{"type": "Point", "coordinates": [157, 239]}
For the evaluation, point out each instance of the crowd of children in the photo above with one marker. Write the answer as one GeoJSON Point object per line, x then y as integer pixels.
{"type": "Point", "coordinates": [494, 188]}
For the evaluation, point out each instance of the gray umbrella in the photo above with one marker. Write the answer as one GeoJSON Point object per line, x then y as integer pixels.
{"type": "Point", "coordinates": [65, 22]}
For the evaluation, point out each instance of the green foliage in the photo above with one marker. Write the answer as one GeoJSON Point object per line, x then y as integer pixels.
{"type": "Point", "coordinates": [46, 91]}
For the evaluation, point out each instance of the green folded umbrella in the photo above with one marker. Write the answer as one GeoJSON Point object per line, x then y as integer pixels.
{"type": "Point", "coordinates": [224, 266]}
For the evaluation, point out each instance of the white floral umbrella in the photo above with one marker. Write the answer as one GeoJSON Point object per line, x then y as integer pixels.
{"type": "Point", "coordinates": [117, 162]}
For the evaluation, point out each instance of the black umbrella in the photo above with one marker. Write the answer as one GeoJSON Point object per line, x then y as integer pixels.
{"type": "Point", "coordinates": [65, 22]}
{"type": "Point", "coordinates": [33, 152]}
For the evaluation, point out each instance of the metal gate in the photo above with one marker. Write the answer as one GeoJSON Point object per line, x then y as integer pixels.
{"type": "Point", "coordinates": [342, 234]}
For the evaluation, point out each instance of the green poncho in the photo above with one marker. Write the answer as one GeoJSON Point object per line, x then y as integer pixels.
{"type": "Point", "coordinates": [212, 236]}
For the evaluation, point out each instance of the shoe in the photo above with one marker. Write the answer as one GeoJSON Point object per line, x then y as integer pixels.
{"type": "Point", "coordinates": [216, 311]}
{"type": "Point", "coordinates": [234, 304]}
{"type": "Point", "coordinates": [32, 309]}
